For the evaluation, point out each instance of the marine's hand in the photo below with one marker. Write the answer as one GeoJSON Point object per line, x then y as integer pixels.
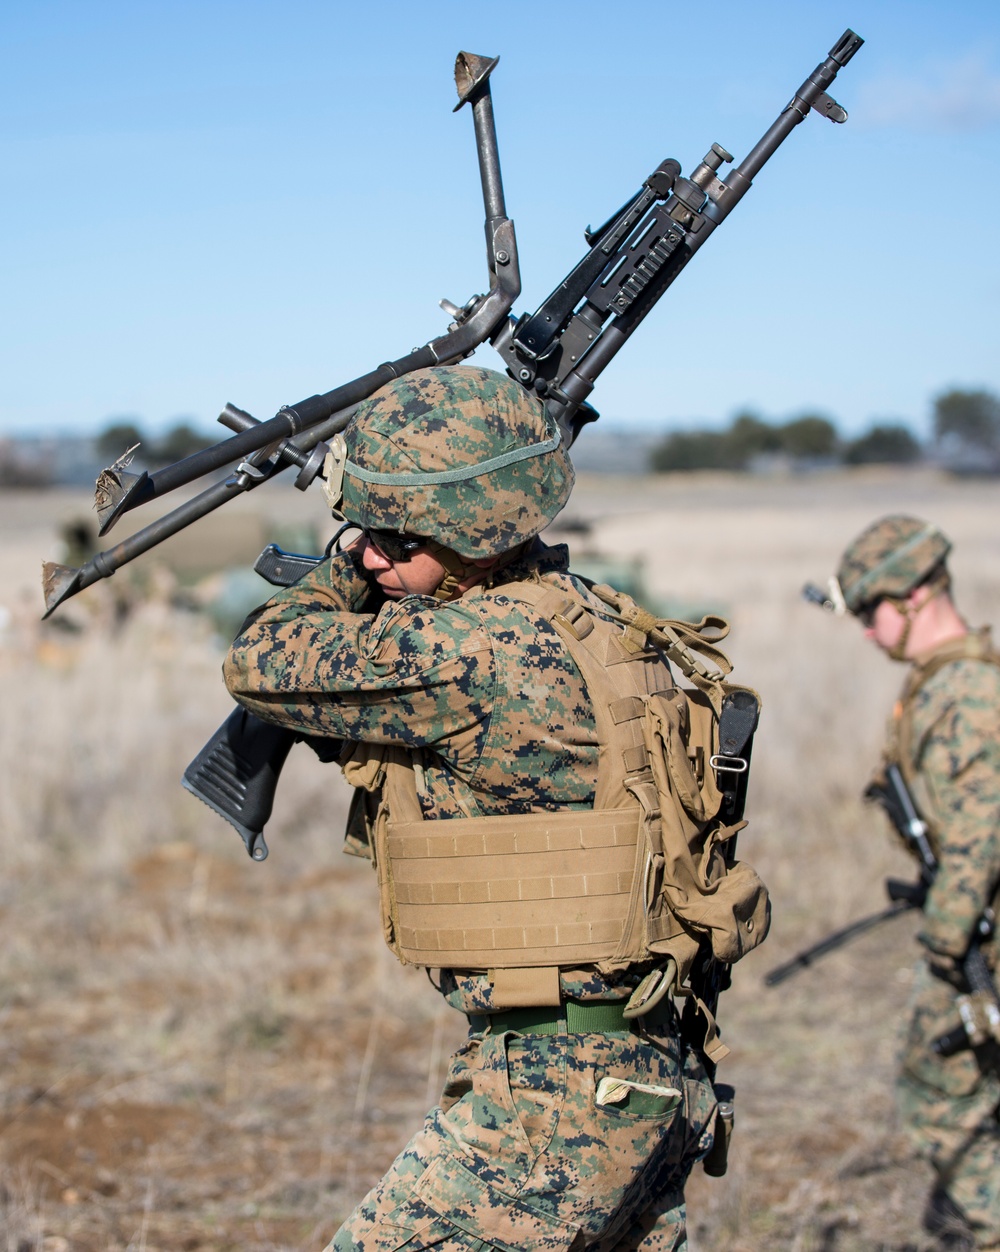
{"type": "Point", "coordinates": [947, 968]}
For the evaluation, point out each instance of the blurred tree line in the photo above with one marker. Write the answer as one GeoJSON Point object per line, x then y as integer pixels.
{"type": "Point", "coordinates": [966, 439]}
{"type": "Point", "coordinates": [179, 441]}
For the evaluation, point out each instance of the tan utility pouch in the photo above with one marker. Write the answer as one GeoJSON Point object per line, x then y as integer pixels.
{"type": "Point", "coordinates": [694, 891]}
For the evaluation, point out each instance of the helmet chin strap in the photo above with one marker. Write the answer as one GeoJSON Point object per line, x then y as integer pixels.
{"type": "Point", "coordinates": [458, 569]}
{"type": "Point", "coordinates": [908, 612]}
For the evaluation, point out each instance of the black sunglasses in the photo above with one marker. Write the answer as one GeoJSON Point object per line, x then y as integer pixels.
{"type": "Point", "coordinates": [866, 614]}
{"type": "Point", "coordinates": [395, 545]}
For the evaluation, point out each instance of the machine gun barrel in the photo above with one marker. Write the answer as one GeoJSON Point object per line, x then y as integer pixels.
{"type": "Point", "coordinates": [651, 256]}
{"type": "Point", "coordinates": [811, 95]}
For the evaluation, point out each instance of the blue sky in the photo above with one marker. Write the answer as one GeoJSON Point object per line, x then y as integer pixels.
{"type": "Point", "coordinates": [254, 201]}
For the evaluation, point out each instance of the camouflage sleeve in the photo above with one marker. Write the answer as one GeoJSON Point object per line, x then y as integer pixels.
{"type": "Point", "coordinates": [960, 764]}
{"type": "Point", "coordinates": [317, 660]}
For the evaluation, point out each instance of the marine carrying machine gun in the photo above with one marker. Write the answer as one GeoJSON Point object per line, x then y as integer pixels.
{"type": "Point", "coordinates": [557, 352]}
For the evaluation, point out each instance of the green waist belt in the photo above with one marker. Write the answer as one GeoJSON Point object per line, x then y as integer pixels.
{"type": "Point", "coordinates": [572, 1018]}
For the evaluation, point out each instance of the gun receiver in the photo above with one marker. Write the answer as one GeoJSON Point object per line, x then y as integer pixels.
{"type": "Point", "coordinates": [557, 352]}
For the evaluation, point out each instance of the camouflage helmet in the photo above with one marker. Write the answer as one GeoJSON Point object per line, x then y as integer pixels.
{"type": "Point", "coordinates": [890, 558]}
{"type": "Point", "coordinates": [459, 454]}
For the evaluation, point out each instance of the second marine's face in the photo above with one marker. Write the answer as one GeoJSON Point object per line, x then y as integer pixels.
{"type": "Point", "coordinates": [886, 627]}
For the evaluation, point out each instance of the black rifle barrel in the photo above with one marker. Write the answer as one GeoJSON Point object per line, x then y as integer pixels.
{"type": "Point", "coordinates": [832, 942]}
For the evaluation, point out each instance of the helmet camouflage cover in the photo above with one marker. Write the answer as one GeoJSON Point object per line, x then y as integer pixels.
{"type": "Point", "coordinates": [459, 454]}
{"type": "Point", "coordinates": [890, 558]}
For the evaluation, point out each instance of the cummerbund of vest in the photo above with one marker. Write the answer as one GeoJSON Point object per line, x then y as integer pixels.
{"type": "Point", "coordinates": [513, 891]}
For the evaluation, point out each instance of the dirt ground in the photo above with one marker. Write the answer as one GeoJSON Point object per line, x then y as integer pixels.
{"type": "Point", "coordinates": [199, 1052]}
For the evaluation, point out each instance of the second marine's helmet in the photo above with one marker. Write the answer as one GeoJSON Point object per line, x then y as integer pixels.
{"type": "Point", "coordinates": [890, 558]}
{"type": "Point", "coordinates": [458, 454]}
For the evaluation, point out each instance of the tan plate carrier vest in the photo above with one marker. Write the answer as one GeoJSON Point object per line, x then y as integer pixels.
{"type": "Point", "coordinates": [642, 875]}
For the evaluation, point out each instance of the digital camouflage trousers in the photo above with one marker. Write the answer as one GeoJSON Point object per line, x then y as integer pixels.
{"type": "Point", "coordinates": [547, 1142]}
{"type": "Point", "coordinates": [949, 1108]}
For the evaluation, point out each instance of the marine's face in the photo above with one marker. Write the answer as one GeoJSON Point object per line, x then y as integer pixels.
{"type": "Point", "coordinates": [420, 574]}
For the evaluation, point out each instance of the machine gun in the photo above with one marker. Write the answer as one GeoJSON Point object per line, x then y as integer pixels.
{"type": "Point", "coordinates": [556, 352]}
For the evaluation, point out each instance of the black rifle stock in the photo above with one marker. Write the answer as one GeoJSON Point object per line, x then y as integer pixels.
{"type": "Point", "coordinates": [236, 774]}
{"type": "Point", "coordinates": [557, 352]}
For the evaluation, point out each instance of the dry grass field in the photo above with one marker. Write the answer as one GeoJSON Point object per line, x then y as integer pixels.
{"type": "Point", "coordinates": [199, 1052]}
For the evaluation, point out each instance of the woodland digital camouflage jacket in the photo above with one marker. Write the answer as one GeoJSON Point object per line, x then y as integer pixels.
{"type": "Point", "coordinates": [955, 752]}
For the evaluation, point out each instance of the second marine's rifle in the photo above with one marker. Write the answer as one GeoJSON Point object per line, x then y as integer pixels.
{"type": "Point", "coordinates": [979, 1006]}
